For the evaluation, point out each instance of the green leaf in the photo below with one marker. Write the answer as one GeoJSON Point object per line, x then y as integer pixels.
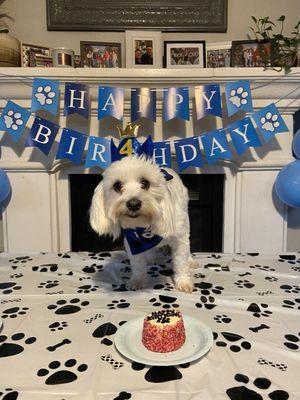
{"type": "Point", "coordinates": [281, 18]}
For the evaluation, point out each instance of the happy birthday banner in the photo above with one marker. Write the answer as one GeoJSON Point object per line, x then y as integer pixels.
{"type": "Point", "coordinates": [46, 95]}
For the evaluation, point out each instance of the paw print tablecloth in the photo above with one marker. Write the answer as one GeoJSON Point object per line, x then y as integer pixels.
{"type": "Point", "coordinates": [60, 313]}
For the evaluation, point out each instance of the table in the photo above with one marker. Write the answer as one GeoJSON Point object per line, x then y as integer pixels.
{"type": "Point", "coordinates": [60, 313]}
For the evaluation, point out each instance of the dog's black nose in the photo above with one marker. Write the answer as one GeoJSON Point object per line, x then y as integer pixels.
{"type": "Point", "coordinates": [134, 204]}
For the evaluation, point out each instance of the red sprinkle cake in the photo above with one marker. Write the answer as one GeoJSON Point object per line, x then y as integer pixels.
{"type": "Point", "coordinates": [163, 331]}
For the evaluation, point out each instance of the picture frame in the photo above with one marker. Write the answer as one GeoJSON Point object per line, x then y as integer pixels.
{"type": "Point", "coordinates": [218, 55]}
{"type": "Point", "coordinates": [250, 53]}
{"type": "Point", "coordinates": [100, 55]}
{"type": "Point", "coordinates": [184, 54]}
{"type": "Point", "coordinates": [143, 49]}
{"type": "Point", "coordinates": [28, 52]}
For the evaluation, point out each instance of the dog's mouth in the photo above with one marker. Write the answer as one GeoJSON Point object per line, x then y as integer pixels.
{"type": "Point", "coordinates": [132, 214]}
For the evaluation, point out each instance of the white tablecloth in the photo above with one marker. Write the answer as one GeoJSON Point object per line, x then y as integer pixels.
{"type": "Point", "coordinates": [60, 313]}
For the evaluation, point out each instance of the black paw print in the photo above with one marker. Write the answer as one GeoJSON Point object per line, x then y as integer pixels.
{"type": "Point", "coordinates": [58, 326]}
{"type": "Point", "coordinates": [207, 302]}
{"type": "Point", "coordinates": [242, 392]}
{"type": "Point", "coordinates": [262, 267]}
{"type": "Point", "coordinates": [199, 276]}
{"type": "Point", "coordinates": [48, 284]}
{"type": "Point", "coordinates": [20, 260]}
{"type": "Point", "coordinates": [153, 272]}
{"type": "Point", "coordinates": [106, 329]}
{"type": "Point", "coordinates": [14, 312]}
{"type": "Point", "coordinates": [259, 311]}
{"type": "Point", "coordinates": [123, 396]}
{"type": "Point", "coordinates": [12, 349]}
{"type": "Point", "coordinates": [292, 342]}
{"type": "Point", "coordinates": [244, 284]}
{"type": "Point", "coordinates": [115, 364]}
{"type": "Point", "coordinates": [93, 318]}
{"type": "Point", "coordinates": [67, 307]}
{"type": "Point", "coordinates": [16, 276]}
{"type": "Point", "coordinates": [62, 375]}
{"type": "Point", "coordinates": [271, 278]}
{"type": "Point", "coordinates": [9, 287]}
{"type": "Point", "coordinates": [45, 268]}
{"type": "Point", "coordinates": [87, 289]}
{"type": "Point", "coordinates": [290, 258]}
{"type": "Point", "coordinates": [119, 288]}
{"type": "Point", "coordinates": [160, 374]}
{"type": "Point", "coordinates": [9, 394]}
{"type": "Point", "coordinates": [126, 269]}
{"type": "Point", "coordinates": [64, 255]}
{"type": "Point", "coordinates": [296, 268]}
{"type": "Point", "coordinates": [91, 269]}
{"type": "Point", "coordinates": [280, 366]}
{"type": "Point", "coordinates": [206, 288]}
{"type": "Point", "coordinates": [233, 337]}
{"type": "Point", "coordinates": [99, 256]}
{"type": "Point", "coordinates": [292, 304]}
{"type": "Point", "coordinates": [164, 286]}
{"type": "Point", "coordinates": [118, 304]}
{"type": "Point", "coordinates": [290, 288]}
{"type": "Point", "coordinates": [222, 319]}
{"type": "Point", "coordinates": [164, 302]}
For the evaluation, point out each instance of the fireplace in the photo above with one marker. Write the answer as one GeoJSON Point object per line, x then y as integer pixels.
{"type": "Point", "coordinates": [205, 212]}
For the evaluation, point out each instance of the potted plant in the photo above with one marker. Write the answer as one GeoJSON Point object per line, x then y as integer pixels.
{"type": "Point", "coordinates": [283, 49]}
{"type": "Point", "coordinates": [9, 46]}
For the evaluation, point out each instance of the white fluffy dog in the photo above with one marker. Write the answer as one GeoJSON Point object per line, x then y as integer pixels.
{"type": "Point", "coordinates": [134, 193]}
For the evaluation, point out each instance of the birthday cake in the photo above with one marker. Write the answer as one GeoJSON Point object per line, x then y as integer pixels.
{"type": "Point", "coordinates": [163, 331]}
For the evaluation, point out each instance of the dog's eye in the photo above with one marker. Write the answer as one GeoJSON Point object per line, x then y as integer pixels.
{"type": "Point", "coordinates": [117, 186]}
{"type": "Point", "coordinates": [145, 184]}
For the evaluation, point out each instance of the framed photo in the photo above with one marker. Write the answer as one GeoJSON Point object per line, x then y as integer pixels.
{"type": "Point", "coordinates": [28, 52]}
{"type": "Point", "coordinates": [250, 53]}
{"type": "Point", "coordinates": [184, 54]}
{"type": "Point", "coordinates": [100, 55]}
{"type": "Point", "coordinates": [218, 55]}
{"type": "Point", "coordinates": [143, 49]}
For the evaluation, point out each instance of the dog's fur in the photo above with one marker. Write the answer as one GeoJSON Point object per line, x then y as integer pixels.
{"type": "Point", "coordinates": [164, 207]}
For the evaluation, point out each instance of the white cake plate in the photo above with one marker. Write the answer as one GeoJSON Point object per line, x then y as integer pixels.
{"type": "Point", "coordinates": [199, 339]}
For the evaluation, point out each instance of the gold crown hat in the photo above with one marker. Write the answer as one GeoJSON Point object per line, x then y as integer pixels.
{"type": "Point", "coordinates": [131, 130]}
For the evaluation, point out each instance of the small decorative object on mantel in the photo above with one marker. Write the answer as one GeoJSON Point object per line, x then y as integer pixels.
{"type": "Point", "coordinates": [143, 49]}
{"type": "Point", "coordinates": [218, 55]}
{"type": "Point", "coordinates": [116, 15]}
{"type": "Point", "coordinates": [9, 46]}
{"type": "Point", "coordinates": [284, 48]}
{"type": "Point", "coordinates": [100, 55]}
{"type": "Point", "coordinates": [29, 53]}
{"type": "Point", "coordinates": [63, 57]}
{"type": "Point", "coordinates": [184, 54]}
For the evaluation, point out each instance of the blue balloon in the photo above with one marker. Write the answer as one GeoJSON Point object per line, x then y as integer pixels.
{"type": "Point", "coordinates": [296, 144]}
{"type": "Point", "coordinates": [287, 184]}
{"type": "Point", "coordinates": [4, 186]}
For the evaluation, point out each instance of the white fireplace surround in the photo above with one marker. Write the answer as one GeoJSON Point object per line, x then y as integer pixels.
{"type": "Point", "coordinates": [37, 217]}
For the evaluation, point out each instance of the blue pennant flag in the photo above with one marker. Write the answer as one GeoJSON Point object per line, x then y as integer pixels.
{"type": "Point", "coordinates": [45, 95]}
{"type": "Point", "coordinates": [269, 122]}
{"type": "Point", "coordinates": [98, 153]}
{"type": "Point", "coordinates": [243, 135]}
{"type": "Point", "coordinates": [208, 101]}
{"type": "Point", "coordinates": [42, 134]}
{"type": "Point", "coordinates": [141, 239]}
{"type": "Point", "coordinates": [238, 97]}
{"type": "Point", "coordinates": [162, 154]}
{"type": "Point", "coordinates": [143, 103]}
{"type": "Point", "coordinates": [110, 102]}
{"type": "Point", "coordinates": [13, 120]}
{"type": "Point", "coordinates": [188, 153]}
{"type": "Point", "coordinates": [71, 145]}
{"type": "Point", "coordinates": [77, 99]}
{"type": "Point", "coordinates": [176, 103]}
{"type": "Point", "coordinates": [216, 146]}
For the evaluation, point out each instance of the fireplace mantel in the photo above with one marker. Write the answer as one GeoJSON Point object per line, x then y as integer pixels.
{"type": "Point", "coordinates": [254, 219]}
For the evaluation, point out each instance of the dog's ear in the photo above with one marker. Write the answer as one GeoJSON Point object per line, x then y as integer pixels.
{"type": "Point", "coordinates": [99, 220]}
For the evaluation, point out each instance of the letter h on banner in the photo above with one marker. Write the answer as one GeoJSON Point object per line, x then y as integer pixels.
{"type": "Point", "coordinates": [77, 99]}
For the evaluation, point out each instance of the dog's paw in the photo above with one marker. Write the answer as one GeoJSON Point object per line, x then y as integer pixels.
{"type": "Point", "coordinates": [184, 284]}
{"type": "Point", "coordinates": [136, 282]}
{"type": "Point", "coordinates": [193, 263]}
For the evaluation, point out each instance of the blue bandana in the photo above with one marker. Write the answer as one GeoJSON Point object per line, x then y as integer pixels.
{"type": "Point", "coordinates": [140, 239]}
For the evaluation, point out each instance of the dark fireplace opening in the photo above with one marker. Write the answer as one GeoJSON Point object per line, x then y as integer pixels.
{"type": "Point", "coordinates": [205, 212]}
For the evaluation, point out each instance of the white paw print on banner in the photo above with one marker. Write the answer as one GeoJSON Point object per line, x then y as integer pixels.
{"type": "Point", "coordinates": [44, 95]}
{"type": "Point", "coordinates": [13, 120]}
{"type": "Point", "coordinates": [269, 122]}
{"type": "Point", "coordinates": [238, 96]}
